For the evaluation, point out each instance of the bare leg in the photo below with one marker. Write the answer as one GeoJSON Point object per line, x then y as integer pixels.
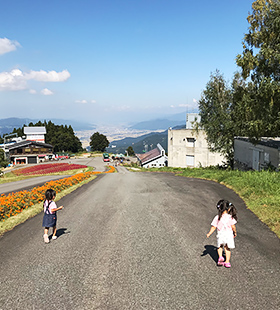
{"type": "Point", "coordinates": [54, 230]}
{"type": "Point", "coordinates": [228, 254]}
{"type": "Point", "coordinates": [46, 237]}
{"type": "Point", "coordinates": [220, 251]}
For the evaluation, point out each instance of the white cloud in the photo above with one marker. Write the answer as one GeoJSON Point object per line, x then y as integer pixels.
{"type": "Point", "coordinates": [51, 76]}
{"type": "Point", "coordinates": [17, 80]}
{"type": "Point", "coordinates": [123, 108]}
{"type": "Point", "coordinates": [83, 101]}
{"type": "Point", "coordinates": [7, 45]}
{"type": "Point", "coordinates": [13, 80]}
{"type": "Point", "coordinates": [32, 91]}
{"type": "Point", "coordinates": [172, 106]}
{"type": "Point", "coordinates": [46, 92]}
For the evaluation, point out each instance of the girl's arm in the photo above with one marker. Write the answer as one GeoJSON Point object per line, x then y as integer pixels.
{"type": "Point", "coordinates": [212, 229]}
{"type": "Point", "coordinates": [234, 230]}
{"type": "Point", "coordinates": [57, 209]}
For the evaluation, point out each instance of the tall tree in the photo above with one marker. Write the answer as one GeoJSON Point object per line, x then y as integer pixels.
{"type": "Point", "coordinates": [130, 151]}
{"type": "Point", "coordinates": [260, 65]}
{"type": "Point", "coordinates": [215, 109]}
{"type": "Point", "coordinates": [98, 142]}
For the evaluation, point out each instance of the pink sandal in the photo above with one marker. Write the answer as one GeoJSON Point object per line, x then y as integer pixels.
{"type": "Point", "coordinates": [221, 261]}
{"type": "Point", "coordinates": [227, 265]}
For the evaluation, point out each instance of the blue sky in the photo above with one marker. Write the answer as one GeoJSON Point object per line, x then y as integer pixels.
{"type": "Point", "coordinates": [114, 61]}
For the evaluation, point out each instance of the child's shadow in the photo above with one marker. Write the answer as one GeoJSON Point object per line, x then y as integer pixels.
{"type": "Point", "coordinates": [212, 251]}
{"type": "Point", "coordinates": [61, 231]}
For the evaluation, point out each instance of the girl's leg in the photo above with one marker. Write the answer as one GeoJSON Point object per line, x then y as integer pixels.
{"type": "Point", "coordinates": [220, 251]}
{"type": "Point", "coordinates": [54, 231]}
{"type": "Point", "coordinates": [46, 237]}
{"type": "Point", "coordinates": [228, 254]}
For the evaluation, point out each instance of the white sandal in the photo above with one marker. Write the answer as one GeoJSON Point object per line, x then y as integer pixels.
{"type": "Point", "coordinates": [46, 238]}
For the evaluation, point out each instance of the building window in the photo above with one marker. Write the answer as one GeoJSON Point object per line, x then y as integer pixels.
{"type": "Point", "coordinates": [190, 142]}
{"type": "Point", "coordinates": [190, 160]}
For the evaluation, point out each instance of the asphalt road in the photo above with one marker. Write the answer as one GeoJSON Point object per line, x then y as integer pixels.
{"type": "Point", "coordinates": [138, 241]}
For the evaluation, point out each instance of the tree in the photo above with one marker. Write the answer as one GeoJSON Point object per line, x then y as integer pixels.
{"type": "Point", "coordinates": [130, 151]}
{"type": "Point", "coordinates": [98, 142]}
{"type": "Point", "coordinates": [260, 65]}
{"type": "Point", "coordinates": [215, 109]}
{"type": "Point", "coordinates": [3, 161]}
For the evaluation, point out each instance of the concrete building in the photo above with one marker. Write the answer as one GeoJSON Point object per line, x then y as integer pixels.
{"type": "Point", "coordinates": [266, 153]}
{"type": "Point", "coordinates": [35, 133]}
{"type": "Point", "coordinates": [153, 159]}
{"type": "Point", "coordinates": [189, 148]}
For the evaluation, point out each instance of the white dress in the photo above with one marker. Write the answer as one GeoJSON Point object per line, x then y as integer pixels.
{"type": "Point", "coordinates": [224, 230]}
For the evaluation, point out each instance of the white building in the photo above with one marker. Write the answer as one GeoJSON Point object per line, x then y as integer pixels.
{"type": "Point", "coordinates": [266, 153]}
{"type": "Point", "coordinates": [189, 148]}
{"type": "Point", "coordinates": [153, 159]}
{"type": "Point", "coordinates": [35, 133]}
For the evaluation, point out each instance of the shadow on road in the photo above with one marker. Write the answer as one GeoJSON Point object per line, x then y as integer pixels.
{"type": "Point", "coordinates": [212, 251]}
{"type": "Point", "coordinates": [61, 231]}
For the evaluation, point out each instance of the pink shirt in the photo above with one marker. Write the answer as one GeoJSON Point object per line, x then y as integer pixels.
{"type": "Point", "coordinates": [224, 223]}
{"type": "Point", "coordinates": [52, 206]}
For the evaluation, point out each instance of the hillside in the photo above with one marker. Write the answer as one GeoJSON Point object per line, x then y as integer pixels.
{"type": "Point", "coordinates": [142, 143]}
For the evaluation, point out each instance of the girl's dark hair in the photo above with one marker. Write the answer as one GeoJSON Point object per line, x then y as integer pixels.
{"type": "Point", "coordinates": [225, 205]}
{"type": "Point", "coordinates": [50, 194]}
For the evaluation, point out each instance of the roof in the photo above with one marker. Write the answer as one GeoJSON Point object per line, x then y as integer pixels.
{"type": "Point", "coordinates": [27, 143]}
{"type": "Point", "coordinates": [151, 155]}
{"type": "Point", "coordinates": [35, 130]}
{"type": "Point", "coordinates": [269, 142]}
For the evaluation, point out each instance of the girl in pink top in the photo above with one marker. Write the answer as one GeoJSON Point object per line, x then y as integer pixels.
{"type": "Point", "coordinates": [50, 217]}
{"type": "Point", "coordinates": [226, 231]}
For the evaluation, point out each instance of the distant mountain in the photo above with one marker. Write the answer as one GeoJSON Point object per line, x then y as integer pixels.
{"type": "Point", "coordinates": [164, 123]}
{"type": "Point", "coordinates": [142, 143]}
{"type": "Point", "coordinates": [7, 125]}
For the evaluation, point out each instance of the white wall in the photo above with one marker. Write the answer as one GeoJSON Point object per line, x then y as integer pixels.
{"type": "Point", "coordinates": [183, 144]}
{"type": "Point", "coordinates": [157, 163]}
{"type": "Point", "coordinates": [250, 156]}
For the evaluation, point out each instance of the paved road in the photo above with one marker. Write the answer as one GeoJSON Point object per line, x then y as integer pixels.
{"type": "Point", "coordinates": [137, 241]}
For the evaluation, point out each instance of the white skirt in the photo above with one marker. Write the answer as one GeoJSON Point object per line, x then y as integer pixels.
{"type": "Point", "coordinates": [225, 237]}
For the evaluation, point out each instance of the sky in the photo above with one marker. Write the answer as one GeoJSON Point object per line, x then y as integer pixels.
{"type": "Point", "coordinates": [114, 61]}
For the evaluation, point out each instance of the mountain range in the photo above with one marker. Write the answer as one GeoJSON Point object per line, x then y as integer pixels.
{"type": "Point", "coordinates": [161, 123]}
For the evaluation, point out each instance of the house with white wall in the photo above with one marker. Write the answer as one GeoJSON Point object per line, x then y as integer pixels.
{"type": "Point", "coordinates": [265, 153]}
{"type": "Point", "coordinates": [155, 158]}
{"type": "Point", "coordinates": [189, 148]}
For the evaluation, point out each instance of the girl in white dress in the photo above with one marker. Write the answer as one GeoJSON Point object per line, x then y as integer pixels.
{"type": "Point", "coordinates": [226, 231]}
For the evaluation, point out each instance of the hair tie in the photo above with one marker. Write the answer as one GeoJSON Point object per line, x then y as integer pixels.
{"type": "Point", "coordinates": [230, 204]}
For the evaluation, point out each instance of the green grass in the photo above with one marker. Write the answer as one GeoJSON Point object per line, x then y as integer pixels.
{"type": "Point", "coordinates": [259, 189]}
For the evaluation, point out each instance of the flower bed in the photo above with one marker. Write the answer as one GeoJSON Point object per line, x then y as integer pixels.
{"type": "Point", "coordinates": [14, 203]}
{"type": "Point", "coordinates": [47, 168]}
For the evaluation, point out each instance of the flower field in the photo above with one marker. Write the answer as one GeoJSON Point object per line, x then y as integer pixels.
{"type": "Point", "coordinates": [48, 168]}
{"type": "Point", "coordinates": [14, 203]}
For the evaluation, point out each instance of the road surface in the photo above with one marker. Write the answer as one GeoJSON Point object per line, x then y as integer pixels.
{"type": "Point", "coordinates": [138, 241]}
